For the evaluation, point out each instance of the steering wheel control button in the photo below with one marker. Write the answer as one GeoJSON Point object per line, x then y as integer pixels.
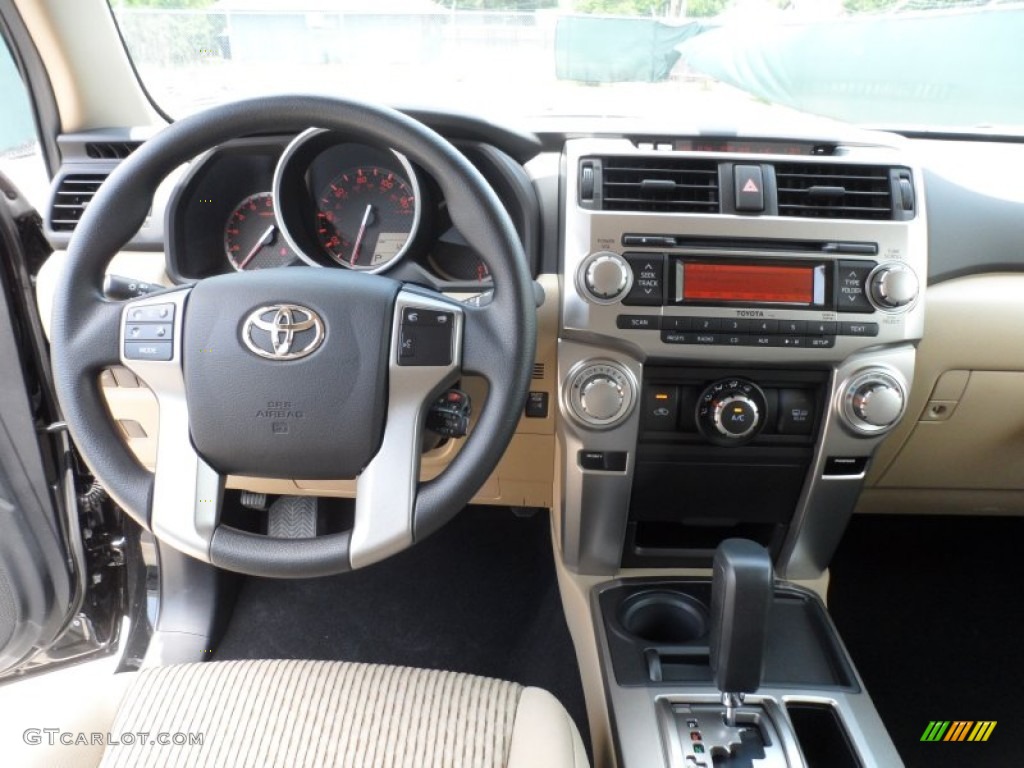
{"type": "Point", "coordinates": [426, 337]}
{"type": "Point", "coordinates": [853, 292]}
{"type": "Point", "coordinates": [149, 332]}
{"type": "Point", "coordinates": [600, 395]}
{"type": "Point", "coordinates": [155, 351]}
{"type": "Point", "coordinates": [152, 313]}
{"type": "Point", "coordinates": [648, 280]}
{"type": "Point", "coordinates": [731, 411]}
{"type": "Point", "coordinates": [749, 188]}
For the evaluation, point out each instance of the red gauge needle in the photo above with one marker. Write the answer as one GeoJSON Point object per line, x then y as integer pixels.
{"type": "Point", "coordinates": [359, 237]}
{"type": "Point", "coordinates": [264, 240]}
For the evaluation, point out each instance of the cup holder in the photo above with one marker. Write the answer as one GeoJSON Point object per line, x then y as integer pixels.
{"type": "Point", "coordinates": [666, 618]}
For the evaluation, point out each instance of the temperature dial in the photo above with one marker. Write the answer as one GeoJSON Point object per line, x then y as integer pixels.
{"type": "Point", "coordinates": [873, 402]}
{"type": "Point", "coordinates": [893, 286]}
{"type": "Point", "coordinates": [600, 394]}
{"type": "Point", "coordinates": [731, 411]}
{"type": "Point", "coordinates": [605, 276]}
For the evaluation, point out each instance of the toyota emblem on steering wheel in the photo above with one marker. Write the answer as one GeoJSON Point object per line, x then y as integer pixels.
{"type": "Point", "coordinates": [283, 331]}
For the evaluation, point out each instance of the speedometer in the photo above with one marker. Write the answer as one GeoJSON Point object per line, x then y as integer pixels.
{"type": "Point", "coordinates": [366, 217]}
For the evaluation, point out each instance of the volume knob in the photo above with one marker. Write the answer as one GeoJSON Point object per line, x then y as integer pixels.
{"type": "Point", "coordinates": [606, 276]}
{"type": "Point", "coordinates": [893, 287]}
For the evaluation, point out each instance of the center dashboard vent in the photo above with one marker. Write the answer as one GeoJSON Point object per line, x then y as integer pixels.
{"type": "Point", "coordinates": [834, 191]}
{"type": "Point", "coordinates": [73, 194]}
{"type": "Point", "coordinates": [655, 184]}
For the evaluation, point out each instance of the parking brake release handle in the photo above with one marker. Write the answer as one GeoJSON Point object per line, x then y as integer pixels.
{"type": "Point", "coordinates": [741, 595]}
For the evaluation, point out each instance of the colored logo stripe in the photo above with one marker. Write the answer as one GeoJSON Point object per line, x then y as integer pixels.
{"type": "Point", "coordinates": [958, 730]}
{"type": "Point", "coordinates": [982, 730]}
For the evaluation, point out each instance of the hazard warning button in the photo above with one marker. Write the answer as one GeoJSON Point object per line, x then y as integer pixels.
{"type": "Point", "coordinates": [749, 188]}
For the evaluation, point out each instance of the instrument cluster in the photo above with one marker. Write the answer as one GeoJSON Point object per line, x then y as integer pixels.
{"type": "Point", "coordinates": [324, 200]}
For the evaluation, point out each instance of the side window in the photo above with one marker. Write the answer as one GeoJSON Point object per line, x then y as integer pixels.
{"type": "Point", "coordinates": [20, 156]}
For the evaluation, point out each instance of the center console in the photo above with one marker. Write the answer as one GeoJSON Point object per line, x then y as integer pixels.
{"type": "Point", "coordinates": [737, 336]}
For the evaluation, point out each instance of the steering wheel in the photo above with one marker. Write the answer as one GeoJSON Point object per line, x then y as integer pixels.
{"type": "Point", "coordinates": [298, 373]}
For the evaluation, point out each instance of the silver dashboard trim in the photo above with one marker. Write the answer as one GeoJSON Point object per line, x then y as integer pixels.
{"type": "Point", "coordinates": [386, 488]}
{"type": "Point", "coordinates": [187, 492]}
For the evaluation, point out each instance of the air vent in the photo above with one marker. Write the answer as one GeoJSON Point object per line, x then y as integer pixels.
{"type": "Point", "coordinates": [73, 194]}
{"type": "Point", "coordinates": [538, 371]}
{"type": "Point", "coordinates": [111, 150]}
{"type": "Point", "coordinates": [834, 191]}
{"type": "Point", "coordinates": [659, 184]}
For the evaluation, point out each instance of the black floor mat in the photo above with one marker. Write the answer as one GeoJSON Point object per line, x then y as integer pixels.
{"type": "Point", "coordinates": [480, 596]}
{"type": "Point", "coordinates": [931, 610]}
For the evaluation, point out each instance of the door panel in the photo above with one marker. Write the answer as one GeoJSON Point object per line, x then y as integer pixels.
{"type": "Point", "coordinates": [36, 587]}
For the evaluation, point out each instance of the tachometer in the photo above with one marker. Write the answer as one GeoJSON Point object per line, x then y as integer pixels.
{"type": "Point", "coordinates": [251, 237]}
{"type": "Point", "coordinates": [366, 217]}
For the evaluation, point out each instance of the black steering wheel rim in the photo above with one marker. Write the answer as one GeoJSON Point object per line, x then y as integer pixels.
{"type": "Point", "coordinates": [499, 340]}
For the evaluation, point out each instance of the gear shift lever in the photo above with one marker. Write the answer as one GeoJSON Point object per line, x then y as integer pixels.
{"type": "Point", "coordinates": [741, 594]}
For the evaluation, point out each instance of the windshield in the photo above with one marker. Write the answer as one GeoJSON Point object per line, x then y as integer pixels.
{"type": "Point", "coordinates": [904, 64]}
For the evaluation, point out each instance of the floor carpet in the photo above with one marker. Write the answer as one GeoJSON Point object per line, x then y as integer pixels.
{"type": "Point", "coordinates": [932, 611]}
{"type": "Point", "coordinates": [480, 596]}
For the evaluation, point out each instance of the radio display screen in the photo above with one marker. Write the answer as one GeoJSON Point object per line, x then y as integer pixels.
{"type": "Point", "coordinates": [754, 283]}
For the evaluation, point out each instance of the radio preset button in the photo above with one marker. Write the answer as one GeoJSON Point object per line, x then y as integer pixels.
{"type": "Point", "coordinates": [823, 328]}
{"type": "Point", "coordinates": [851, 292]}
{"type": "Point", "coordinates": [676, 337]}
{"type": "Point", "coordinates": [762, 326]}
{"type": "Point", "coordinates": [706, 324]}
{"type": "Point", "coordinates": [677, 323]}
{"type": "Point", "coordinates": [791, 327]}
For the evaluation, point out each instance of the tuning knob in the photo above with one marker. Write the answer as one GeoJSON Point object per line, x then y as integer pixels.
{"type": "Point", "coordinates": [606, 276]}
{"type": "Point", "coordinates": [873, 403]}
{"type": "Point", "coordinates": [893, 286]}
{"type": "Point", "coordinates": [730, 411]}
{"type": "Point", "coordinates": [600, 394]}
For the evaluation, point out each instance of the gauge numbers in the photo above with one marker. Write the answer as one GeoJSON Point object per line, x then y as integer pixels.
{"type": "Point", "coordinates": [251, 236]}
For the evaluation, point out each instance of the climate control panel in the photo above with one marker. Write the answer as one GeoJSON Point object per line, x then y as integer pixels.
{"type": "Point", "coordinates": [600, 393]}
{"type": "Point", "coordinates": [731, 411]}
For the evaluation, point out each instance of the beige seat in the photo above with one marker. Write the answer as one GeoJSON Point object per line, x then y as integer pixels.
{"type": "Point", "coordinates": [321, 713]}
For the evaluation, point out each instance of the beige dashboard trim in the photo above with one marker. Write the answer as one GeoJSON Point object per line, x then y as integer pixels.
{"type": "Point", "coordinates": [86, 41]}
{"type": "Point", "coordinates": [960, 448]}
